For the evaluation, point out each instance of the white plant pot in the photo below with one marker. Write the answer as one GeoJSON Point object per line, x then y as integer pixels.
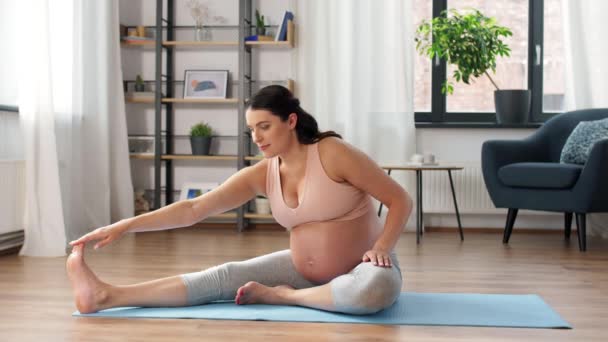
{"type": "Point", "coordinates": [262, 206]}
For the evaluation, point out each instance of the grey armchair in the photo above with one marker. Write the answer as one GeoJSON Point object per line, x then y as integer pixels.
{"type": "Point", "coordinates": [527, 174]}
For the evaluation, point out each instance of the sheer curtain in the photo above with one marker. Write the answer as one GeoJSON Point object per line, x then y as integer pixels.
{"type": "Point", "coordinates": [73, 121]}
{"type": "Point", "coordinates": [355, 74]}
{"type": "Point", "coordinates": [586, 47]}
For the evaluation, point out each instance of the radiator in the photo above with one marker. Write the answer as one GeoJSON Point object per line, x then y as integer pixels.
{"type": "Point", "coordinates": [12, 192]}
{"type": "Point", "coordinates": [470, 188]}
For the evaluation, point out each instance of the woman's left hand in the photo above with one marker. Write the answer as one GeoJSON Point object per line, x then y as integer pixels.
{"type": "Point", "coordinates": [378, 258]}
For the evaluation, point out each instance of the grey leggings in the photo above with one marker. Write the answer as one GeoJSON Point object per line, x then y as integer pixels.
{"type": "Point", "coordinates": [365, 289]}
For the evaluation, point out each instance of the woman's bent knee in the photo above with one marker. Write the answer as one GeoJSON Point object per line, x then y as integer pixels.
{"type": "Point", "coordinates": [366, 292]}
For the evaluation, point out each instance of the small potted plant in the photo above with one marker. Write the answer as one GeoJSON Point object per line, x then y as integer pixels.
{"type": "Point", "coordinates": [200, 138]}
{"type": "Point", "coordinates": [140, 86]}
{"type": "Point", "coordinates": [471, 42]}
{"type": "Point", "coordinates": [260, 26]}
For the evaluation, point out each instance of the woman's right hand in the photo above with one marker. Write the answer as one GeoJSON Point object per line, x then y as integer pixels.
{"type": "Point", "coordinates": [105, 234]}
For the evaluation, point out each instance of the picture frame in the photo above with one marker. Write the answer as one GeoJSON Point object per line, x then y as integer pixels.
{"type": "Point", "coordinates": [192, 190]}
{"type": "Point", "coordinates": [205, 84]}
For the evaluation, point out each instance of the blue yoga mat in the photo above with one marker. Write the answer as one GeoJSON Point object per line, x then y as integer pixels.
{"type": "Point", "coordinates": [484, 310]}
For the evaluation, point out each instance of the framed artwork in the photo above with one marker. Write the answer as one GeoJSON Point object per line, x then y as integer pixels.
{"type": "Point", "coordinates": [192, 190]}
{"type": "Point", "coordinates": [205, 84]}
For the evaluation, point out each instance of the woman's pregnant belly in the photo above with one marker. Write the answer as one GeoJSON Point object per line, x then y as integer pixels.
{"type": "Point", "coordinates": [322, 251]}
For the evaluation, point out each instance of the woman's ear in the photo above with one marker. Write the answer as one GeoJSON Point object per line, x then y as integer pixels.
{"type": "Point", "coordinates": [292, 120]}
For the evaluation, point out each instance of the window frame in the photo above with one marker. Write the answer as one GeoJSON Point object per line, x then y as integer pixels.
{"type": "Point", "coordinates": [439, 117]}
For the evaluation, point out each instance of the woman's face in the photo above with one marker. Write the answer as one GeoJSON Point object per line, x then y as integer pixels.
{"type": "Point", "coordinates": [269, 132]}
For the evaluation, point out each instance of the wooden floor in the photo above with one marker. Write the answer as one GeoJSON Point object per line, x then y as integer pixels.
{"type": "Point", "coordinates": [36, 300]}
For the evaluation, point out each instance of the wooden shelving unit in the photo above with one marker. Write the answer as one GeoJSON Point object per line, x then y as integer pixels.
{"type": "Point", "coordinates": [164, 100]}
{"type": "Point", "coordinates": [289, 43]}
{"type": "Point", "coordinates": [180, 100]}
{"type": "Point", "coordinates": [181, 157]}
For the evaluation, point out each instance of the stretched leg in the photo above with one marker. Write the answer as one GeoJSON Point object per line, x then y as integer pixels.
{"type": "Point", "coordinates": [91, 294]}
{"type": "Point", "coordinates": [216, 283]}
{"type": "Point", "coordinates": [366, 289]}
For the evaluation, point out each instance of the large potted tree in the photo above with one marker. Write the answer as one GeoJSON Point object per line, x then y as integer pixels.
{"type": "Point", "coordinates": [471, 42]}
{"type": "Point", "coordinates": [200, 138]}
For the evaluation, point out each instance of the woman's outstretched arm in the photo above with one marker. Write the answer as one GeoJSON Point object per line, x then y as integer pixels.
{"type": "Point", "coordinates": [238, 189]}
{"type": "Point", "coordinates": [234, 192]}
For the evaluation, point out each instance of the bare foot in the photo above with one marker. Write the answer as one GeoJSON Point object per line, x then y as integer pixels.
{"type": "Point", "coordinates": [89, 292]}
{"type": "Point", "coordinates": [256, 293]}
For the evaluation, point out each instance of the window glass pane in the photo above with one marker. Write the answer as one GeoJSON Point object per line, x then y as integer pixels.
{"type": "Point", "coordinates": [553, 65]}
{"type": "Point", "coordinates": [511, 72]}
{"type": "Point", "coordinates": [423, 10]}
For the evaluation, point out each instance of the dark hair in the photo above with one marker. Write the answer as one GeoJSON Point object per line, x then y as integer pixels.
{"type": "Point", "coordinates": [281, 102]}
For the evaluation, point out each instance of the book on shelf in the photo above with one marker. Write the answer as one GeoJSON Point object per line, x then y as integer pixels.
{"type": "Point", "coordinates": [282, 31]}
{"type": "Point", "coordinates": [256, 38]}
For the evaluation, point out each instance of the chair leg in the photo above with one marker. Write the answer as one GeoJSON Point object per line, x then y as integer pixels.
{"type": "Point", "coordinates": [567, 225]}
{"type": "Point", "coordinates": [511, 215]}
{"type": "Point", "coordinates": [581, 231]}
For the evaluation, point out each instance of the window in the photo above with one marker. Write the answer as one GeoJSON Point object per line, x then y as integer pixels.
{"type": "Point", "coordinates": [553, 65]}
{"type": "Point", "coordinates": [423, 10]}
{"type": "Point", "coordinates": [522, 70]}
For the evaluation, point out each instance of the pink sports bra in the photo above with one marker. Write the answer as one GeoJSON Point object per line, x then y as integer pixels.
{"type": "Point", "coordinates": [322, 200]}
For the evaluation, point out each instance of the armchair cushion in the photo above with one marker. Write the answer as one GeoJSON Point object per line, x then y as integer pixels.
{"type": "Point", "coordinates": [581, 140]}
{"type": "Point", "coordinates": [540, 175]}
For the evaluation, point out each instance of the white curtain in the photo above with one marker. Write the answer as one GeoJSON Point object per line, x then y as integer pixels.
{"type": "Point", "coordinates": [73, 120]}
{"type": "Point", "coordinates": [586, 48]}
{"type": "Point", "coordinates": [355, 74]}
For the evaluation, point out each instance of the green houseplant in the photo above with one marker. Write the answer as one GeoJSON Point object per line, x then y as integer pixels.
{"type": "Point", "coordinates": [472, 42]}
{"type": "Point", "coordinates": [260, 26]}
{"type": "Point", "coordinates": [200, 138]}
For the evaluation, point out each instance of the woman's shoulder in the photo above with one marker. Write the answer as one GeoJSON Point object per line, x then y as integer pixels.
{"type": "Point", "coordinates": [256, 175]}
{"type": "Point", "coordinates": [333, 146]}
{"type": "Point", "coordinates": [333, 152]}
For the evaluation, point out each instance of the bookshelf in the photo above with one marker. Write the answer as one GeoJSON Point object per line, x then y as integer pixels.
{"type": "Point", "coordinates": [164, 101]}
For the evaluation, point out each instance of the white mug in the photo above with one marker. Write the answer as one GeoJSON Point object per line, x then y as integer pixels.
{"type": "Point", "coordinates": [429, 158]}
{"type": "Point", "coordinates": [417, 158]}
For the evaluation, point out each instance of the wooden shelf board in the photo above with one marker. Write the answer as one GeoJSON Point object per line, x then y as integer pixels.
{"type": "Point", "coordinates": [270, 43]}
{"type": "Point", "coordinates": [180, 157]}
{"type": "Point", "coordinates": [194, 157]}
{"type": "Point", "coordinates": [139, 100]}
{"type": "Point", "coordinates": [141, 155]}
{"type": "Point", "coordinates": [197, 44]}
{"type": "Point", "coordinates": [254, 158]}
{"type": "Point", "coordinates": [180, 100]}
{"type": "Point", "coordinates": [258, 216]}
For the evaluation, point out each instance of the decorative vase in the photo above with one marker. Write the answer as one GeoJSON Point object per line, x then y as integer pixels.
{"type": "Point", "coordinates": [200, 145]}
{"type": "Point", "coordinates": [202, 33]}
{"type": "Point", "coordinates": [512, 106]}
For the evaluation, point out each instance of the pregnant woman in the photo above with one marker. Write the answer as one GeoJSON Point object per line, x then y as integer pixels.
{"type": "Point", "coordinates": [320, 189]}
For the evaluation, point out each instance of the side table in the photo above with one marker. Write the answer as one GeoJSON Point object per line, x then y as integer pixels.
{"type": "Point", "coordinates": [419, 168]}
